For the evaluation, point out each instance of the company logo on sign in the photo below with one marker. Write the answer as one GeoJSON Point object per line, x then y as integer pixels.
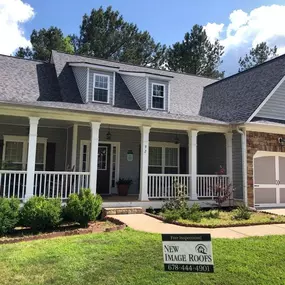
{"type": "Point", "coordinates": [201, 248]}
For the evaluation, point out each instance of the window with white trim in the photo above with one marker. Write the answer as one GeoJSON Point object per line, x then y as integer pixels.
{"type": "Point", "coordinates": [164, 158]}
{"type": "Point", "coordinates": [157, 96]}
{"type": "Point", "coordinates": [101, 86]}
{"type": "Point", "coordinates": [15, 153]}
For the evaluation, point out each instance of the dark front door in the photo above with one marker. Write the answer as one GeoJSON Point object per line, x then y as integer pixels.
{"type": "Point", "coordinates": [103, 174]}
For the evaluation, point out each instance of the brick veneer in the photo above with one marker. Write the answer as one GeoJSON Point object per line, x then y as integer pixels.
{"type": "Point", "coordinates": [258, 141]}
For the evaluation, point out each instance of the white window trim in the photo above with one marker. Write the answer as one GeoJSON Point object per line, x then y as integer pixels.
{"type": "Point", "coordinates": [25, 141]}
{"type": "Point", "coordinates": [165, 145]}
{"type": "Point", "coordinates": [108, 90]}
{"type": "Point", "coordinates": [164, 91]}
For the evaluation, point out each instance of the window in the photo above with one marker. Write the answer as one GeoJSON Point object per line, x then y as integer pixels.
{"type": "Point", "coordinates": [15, 153]}
{"type": "Point", "coordinates": [163, 159]}
{"type": "Point", "coordinates": [157, 100]}
{"type": "Point", "coordinates": [102, 157]}
{"type": "Point", "coordinates": [101, 88]}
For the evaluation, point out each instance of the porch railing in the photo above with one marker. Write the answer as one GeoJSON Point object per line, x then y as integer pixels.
{"type": "Point", "coordinates": [59, 184]}
{"type": "Point", "coordinates": [13, 183]}
{"type": "Point", "coordinates": [165, 186]}
{"type": "Point", "coordinates": [208, 184]}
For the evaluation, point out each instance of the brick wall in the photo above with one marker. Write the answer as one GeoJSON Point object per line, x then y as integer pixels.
{"type": "Point", "coordinates": [258, 141]}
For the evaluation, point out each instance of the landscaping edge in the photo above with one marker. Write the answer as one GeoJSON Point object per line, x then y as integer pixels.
{"type": "Point", "coordinates": [212, 227]}
{"type": "Point", "coordinates": [81, 231]}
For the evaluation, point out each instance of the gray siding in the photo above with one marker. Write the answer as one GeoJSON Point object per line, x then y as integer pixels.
{"type": "Point", "coordinates": [69, 147]}
{"type": "Point", "coordinates": [91, 79]}
{"type": "Point", "coordinates": [53, 135]}
{"type": "Point", "coordinates": [151, 81]}
{"type": "Point", "coordinates": [80, 74]}
{"type": "Point", "coordinates": [237, 166]}
{"type": "Point", "coordinates": [211, 153]}
{"type": "Point", "coordinates": [137, 86]}
{"type": "Point", "coordinates": [275, 106]}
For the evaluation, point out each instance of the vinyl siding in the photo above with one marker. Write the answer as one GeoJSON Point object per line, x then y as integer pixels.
{"type": "Point", "coordinates": [137, 86]}
{"type": "Point", "coordinates": [275, 106]}
{"type": "Point", "coordinates": [80, 74]}
{"type": "Point", "coordinates": [91, 80]}
{"type": "Point", "coordinates": [237, 166]}
{"type": "Point", "coordinates": [69, 147]}
{"type": "Point", "coordinates": [53, 135]}
{"type": "Point", "coordinates": [151, 81]}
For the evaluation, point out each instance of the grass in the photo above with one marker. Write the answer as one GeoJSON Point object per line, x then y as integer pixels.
{"type": "Point", "coordinates": [225, 219]}
{"type": "Point", "coordinates": [130, 257]}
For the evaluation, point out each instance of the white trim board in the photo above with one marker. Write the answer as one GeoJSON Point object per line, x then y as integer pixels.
{"type": "Point", "coordinates": [265, 100]}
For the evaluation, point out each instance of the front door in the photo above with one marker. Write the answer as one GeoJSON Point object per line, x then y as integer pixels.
{"type": "Point", "coordinates": [103, 171]}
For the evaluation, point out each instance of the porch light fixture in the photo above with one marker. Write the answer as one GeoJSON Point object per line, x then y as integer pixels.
{"type": "Point", "coordinates": [108, 135]}
{"type": "Point", "coordinates": [281, 141]}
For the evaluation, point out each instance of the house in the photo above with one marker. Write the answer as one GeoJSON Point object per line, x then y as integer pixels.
{"type": "Point", "coordinates": [78, 121]}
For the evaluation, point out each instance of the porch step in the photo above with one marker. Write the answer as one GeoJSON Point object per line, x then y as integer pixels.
{"type": "Point", "coordinates": [121, 211]}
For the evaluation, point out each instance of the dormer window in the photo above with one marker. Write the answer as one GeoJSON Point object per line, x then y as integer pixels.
{"type": "Point", "coordinates": [158, 96]}
{"type": "Point", "coordinates": [101, 87]}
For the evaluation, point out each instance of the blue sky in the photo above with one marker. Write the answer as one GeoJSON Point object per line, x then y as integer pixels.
{"type": "Point", "coordinates": [167, 21]}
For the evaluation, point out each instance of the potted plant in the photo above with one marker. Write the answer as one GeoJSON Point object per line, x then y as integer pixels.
{"type": "Point", "coordinates": [123, 186]}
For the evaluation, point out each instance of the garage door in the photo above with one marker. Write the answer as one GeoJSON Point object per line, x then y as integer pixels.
{"type": "Point", "coordinates": [269, 179]}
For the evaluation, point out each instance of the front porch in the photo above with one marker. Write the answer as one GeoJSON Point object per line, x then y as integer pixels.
{"type": "Point", "coordinates": [56, 158]}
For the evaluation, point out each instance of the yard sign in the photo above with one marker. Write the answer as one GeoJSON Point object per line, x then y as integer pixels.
{"type": "Point", "coordinates": [187, 252]}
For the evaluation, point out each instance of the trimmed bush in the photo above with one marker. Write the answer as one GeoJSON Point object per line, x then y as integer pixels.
{"type": "Point", "coordinates": [84, 207]}
{"type": "Point", "coordinates": [212, 214]}
{"type": "Point", "coordinates": [241, 213]}
{"type": "Point", "coordinates": [40, 213]}
{"type": "Point", "coordinates": [9, 214]}
{"type": "Point", "coordinates": [171, 215]}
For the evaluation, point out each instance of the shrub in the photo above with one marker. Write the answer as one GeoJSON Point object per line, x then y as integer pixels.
{"type": "Point", "coordinates": [40, 213]}
{"type": "Point", "coordinates": [212, 214]}
{"type": "Point", "coordinates": [9, 214]}
{"type": "Point", "coordinates": [84, 207]}
{"type": "Point", "coordinates": [195, 213]}
{"type": "Point", "coordinates": [171, 215]}
{"type": "Point", "coordinates": [241, 213]}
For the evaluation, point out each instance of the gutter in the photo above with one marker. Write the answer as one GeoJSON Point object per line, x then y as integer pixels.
{"type": "Point", "coordinates": [244, 163]}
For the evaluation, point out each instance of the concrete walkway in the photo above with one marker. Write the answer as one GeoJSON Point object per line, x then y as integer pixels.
{"type": "Point", "coordinates": [146, 223]}
{"type": "Point", "coordinates": [276, 211]}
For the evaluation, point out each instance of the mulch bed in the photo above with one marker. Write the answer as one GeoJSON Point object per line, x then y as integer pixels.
{"type": "Point", "coordinates": [25, 234]}
{"type": "Point", "coordinates": [213, 226]}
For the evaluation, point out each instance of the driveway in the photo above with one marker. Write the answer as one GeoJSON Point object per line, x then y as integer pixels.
{"type": "Point", "coordinates": [146, 223]}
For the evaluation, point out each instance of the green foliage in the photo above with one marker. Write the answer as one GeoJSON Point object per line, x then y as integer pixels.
{"type": "Point", "coordinates": [212, 214]}
{"type": "Point", "coordinates": [43, 42]}
{"type": "Point", "coordinates": [257, 55]}
{"type": "Point", "coordinates": [41, 213]}
{"type": "Point", "coordinates": [171, 215]}
{"type": "Point", "coordinates": [196, 54]}
{"type": "Point", "coordinates": [84, 207]}
{"type": "Point", "coordinates": [124, 181]}
{"type": "Point", "coordinates": [105, 34]}
{"type": "Point", "coordinates": [242, 213]}
{"type": "Point", "coordinates": [9, 214]}
{"type": "Point", "coordinates": [150, 210]}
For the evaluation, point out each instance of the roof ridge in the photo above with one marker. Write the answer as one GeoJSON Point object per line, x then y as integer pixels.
{"type": "Point", "coordinates": [131, 64]}
{"type": "Point", "coordinates": [247, 70]}
{"type": "Point", "coordinates": [27, 59]}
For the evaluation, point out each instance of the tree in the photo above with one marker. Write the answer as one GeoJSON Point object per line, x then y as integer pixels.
{"type": "Point", "coordinates": [43, 41]}
{"type": "Point", "coordinates": [105, 34]}
{"type": "Point", "coordinates": [196, 54]}
{"type": "Point", "coordinates": [257, 55]}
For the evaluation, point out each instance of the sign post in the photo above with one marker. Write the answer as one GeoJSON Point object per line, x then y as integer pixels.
{"type": "Point", "coordinates": [188, 252]}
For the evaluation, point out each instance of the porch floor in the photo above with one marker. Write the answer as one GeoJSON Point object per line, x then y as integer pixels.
{"type": "Point", "coordinates": [117, 198]}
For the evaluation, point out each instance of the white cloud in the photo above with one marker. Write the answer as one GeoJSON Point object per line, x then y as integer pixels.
{"type": "Point", "coordinates": [246, 30]}
{"type": "Point", "coordinates": [13, 13]}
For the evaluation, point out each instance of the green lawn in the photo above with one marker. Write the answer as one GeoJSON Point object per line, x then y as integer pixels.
{"type": "Point", "coordinates": [225, 219]}
{"type": "Point", "coordinates": [130, 257]}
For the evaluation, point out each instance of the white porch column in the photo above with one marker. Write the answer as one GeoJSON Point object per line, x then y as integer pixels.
{"type": "Point", "coordinates": [143, 196]}
{"type": "Point", "coordinates": [229, 155]}
{"type": "Point", "coordinates": [33, 135]}
{"type": "Point", "coordinates": [192, 160]}
{"type": "Point", "coordinates": [95, 127]}
{"type": "Point", "coordinates": [74, 146]}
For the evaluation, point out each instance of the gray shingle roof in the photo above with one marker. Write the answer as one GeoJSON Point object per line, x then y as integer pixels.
{"type": "Point", "coordinates": [234, 99]}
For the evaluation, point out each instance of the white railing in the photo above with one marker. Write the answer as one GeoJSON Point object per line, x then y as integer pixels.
{"type": "Point", "coordinates": [53, 184]}
{"type": "Point", "coordinates": [167, 186]}
{"type": "Point", "coordinates": [13, 183]}
{"type": "Point", "coordinates": [207, 185]}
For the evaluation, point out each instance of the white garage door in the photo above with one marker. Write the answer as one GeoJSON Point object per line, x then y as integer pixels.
{"type": "Point", "coordinates": [269, 179]}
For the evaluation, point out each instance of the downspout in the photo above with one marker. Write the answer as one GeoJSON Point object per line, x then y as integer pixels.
{"type": "Point", "coordinates": [244, 163]}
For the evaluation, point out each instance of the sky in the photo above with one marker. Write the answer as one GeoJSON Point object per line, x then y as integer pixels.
{"type": "Point", "coordinates": [239, 25]}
